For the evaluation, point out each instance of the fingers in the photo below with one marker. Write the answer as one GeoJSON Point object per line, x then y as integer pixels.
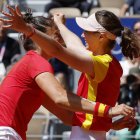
{"type": "Point", "coordinates": [6, 20]}
{"type": "Point", "coordinates": [128, 107]}
{"type": "Point", "coordinates": [12, 11]}
{"type": "Point", "coordinates": [7, 14]}
{"type": "Point", "coordinates": [127, 110]}
{"type": "Point", "coordinates": [7, 26]}
{"type": "Point", "coordinates": [123, 110]}
{"type": "Point", "coordinates": [18, 11]}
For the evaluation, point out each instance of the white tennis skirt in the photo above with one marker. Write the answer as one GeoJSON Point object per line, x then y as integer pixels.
{"type": "Point", "coordinates": [80, 134]}
{"type": "Point", "coordinates": [8, 133]}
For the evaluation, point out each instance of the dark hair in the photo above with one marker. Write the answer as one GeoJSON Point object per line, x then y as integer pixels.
{"type": "Point", "coordinates": [129, 43]}
{"type": "Point", "coordinates": [29, 45]}
{"type": "Point", "coordinates": [136, 89]}
{"type": "Point", "coordinates": [131, 79]}
{"type": "Point", "coordinates": [40, 23]}
{"type": "Point", "coordinates": [127, 93]}
{"type": "Point", "coordinates": [127, 96]}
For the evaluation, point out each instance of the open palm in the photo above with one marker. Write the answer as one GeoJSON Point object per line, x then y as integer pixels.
{"type": "Point", "coordinates": [15, 19]}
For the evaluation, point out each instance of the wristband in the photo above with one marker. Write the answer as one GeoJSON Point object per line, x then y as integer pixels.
{"type": "Point", "coordinates": [101, 110]}
{"type": "Point", "coordinates": [31, 33]}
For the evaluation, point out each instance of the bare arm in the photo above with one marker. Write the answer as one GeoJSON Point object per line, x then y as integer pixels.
{"type": "Point", "coordinates": [72, 102]}
{"type": "Point", "coordinates": [75, 46]}
{"type": "Point", "coordinates": [78, 59]}
{"type": "Point", "coordinates": [64, 115]}
{"type": "Point", "coordinates": [60, 97]}
{"type": "Point", "coordinates": [71, 40]}
{"type": "Point", "coordinates": [124, 9]}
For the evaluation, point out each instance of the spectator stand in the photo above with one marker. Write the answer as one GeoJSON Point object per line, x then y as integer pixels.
{"type": "Point", "coordinates": [37, 5]}
{"type": "Point", "coordinates": [114, 10]}
{"type": "Point", "coordinates": [111, 3]}
{"type": "Point", "coordinates": [69, 12]}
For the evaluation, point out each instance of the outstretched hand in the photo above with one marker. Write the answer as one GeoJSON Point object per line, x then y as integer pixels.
{"type": "Point", "coordinates": [15, 20]}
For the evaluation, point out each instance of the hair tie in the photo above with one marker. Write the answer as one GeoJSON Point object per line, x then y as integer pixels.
{"type": "Point", "coordinates": [28, 16]}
